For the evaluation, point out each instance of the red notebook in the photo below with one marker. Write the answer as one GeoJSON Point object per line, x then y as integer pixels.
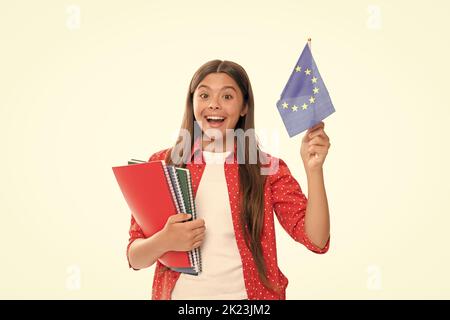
{"type": "Point", "coordinates": [151, 201]}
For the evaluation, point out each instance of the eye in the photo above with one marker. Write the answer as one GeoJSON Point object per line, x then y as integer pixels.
{"type": "Point", "coordinates": [202, 95]}
{"type": "Point", "coordinates": [228, 95]}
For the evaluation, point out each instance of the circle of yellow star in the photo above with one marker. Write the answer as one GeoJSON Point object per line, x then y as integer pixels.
{"type": "Point", "coordinates": [314, 80]}
{"type": "Point", "coordinates": [316, 90]}
{"type": "Point", "coordinates": [298, 69]}
{"type": "Point", "coordinates": [312, 100]}
{"type": "Point", "coordinates": [285, 105]}
{"type": "Point", "coordinates": [294, 108]}
{"type": "Point", "coordinates": [304, 106]}
{"type": "Point", "coordinates": [308, 72]}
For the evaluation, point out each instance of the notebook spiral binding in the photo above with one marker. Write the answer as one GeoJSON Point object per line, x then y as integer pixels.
{"type": "Point", "coordinates": [178, 194]}
{"type": "Point", "coordinates": [194, 215]}
{"type": "Point", "coordinates": [166, 171]}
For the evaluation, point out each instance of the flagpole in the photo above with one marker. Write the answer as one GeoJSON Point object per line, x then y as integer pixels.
{"type": "Point", "coordinates": [309, 45]}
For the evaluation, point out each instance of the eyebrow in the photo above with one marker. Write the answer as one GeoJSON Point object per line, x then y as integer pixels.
{"type": "Point", "coordinates": [225, 87]}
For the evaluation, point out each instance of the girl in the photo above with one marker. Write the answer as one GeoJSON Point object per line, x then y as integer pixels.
{"type": "Point", "coordinates": [235, 201]}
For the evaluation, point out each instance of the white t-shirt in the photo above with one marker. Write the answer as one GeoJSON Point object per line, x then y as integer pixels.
{"type": "Point", "coordinates": [221, 276]}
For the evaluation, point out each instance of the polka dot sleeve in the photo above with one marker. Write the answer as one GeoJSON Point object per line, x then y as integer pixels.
{"type": "Point", "coordinates": [289, 204]}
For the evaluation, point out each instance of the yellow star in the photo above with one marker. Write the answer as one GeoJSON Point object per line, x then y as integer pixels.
{"type": "Point", "coordinates": [304, 106]}
{"type": "Point", "coordinates": [285, 105]}
{"type": "Point", "coordinates": [294, 108]}
{"type": "Point", "coordinates": [298, 69]}
{"type": "Point", "coordinates": [308, 72]}
{"type": "Point", "coordinates": [312, 100]}
{"type": "Point", "coordinates": [314, 80]}
{"type": "Point", "coordinates": [316, 90]}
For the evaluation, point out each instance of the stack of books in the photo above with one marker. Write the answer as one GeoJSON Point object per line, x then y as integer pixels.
{"type": "Point", "coordinates": [154, 191]}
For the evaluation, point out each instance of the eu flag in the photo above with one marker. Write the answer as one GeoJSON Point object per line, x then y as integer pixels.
{"type": "Point", "coordinates": [304, 101]}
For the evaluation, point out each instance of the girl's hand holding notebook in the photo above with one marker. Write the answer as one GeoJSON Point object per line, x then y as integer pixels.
{"type": "Point", "coordinates": [183, 236]}
{"type": "Point", "coordinates": [155, 192]}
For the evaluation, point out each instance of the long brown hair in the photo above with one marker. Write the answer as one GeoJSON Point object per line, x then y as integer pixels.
{"type": "Point", "coordinates": [251, 182]}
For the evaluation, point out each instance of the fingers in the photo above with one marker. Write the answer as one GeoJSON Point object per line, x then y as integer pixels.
{"type": "Point", "coordinates": [197, 244]}
{"type": "Point", "coordinates": [198, 239]}
{"type": "Point", "coordinates": [194, 224]}
{"type": "Point", "coordinates": [318, 137]}
{"type": "Point", "coordinates": [197, 225]}
{"type": "Point", "coordinates": [318, 140]}
{"type": "Point", "coordinates": [319, 125]}
{"type": "Point", "coordinates": [179, 217]}
{"type": "Point", "coordinates": [198, 231]}
{"type": "Point", "coordinates": [317, 130]}
{"type": "Point", "coordinates": [318, 149]}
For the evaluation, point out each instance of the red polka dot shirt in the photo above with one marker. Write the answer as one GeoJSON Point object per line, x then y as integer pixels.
{"type": "Point", "coordinates": [282, 195]}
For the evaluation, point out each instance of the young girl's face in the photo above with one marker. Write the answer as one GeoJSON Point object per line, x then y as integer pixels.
{"type": "Point", "coordinates": [218, 103]}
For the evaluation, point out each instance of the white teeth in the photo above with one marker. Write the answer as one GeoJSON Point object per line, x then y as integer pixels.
{"type": "Point", "coordinates": [214, 118]}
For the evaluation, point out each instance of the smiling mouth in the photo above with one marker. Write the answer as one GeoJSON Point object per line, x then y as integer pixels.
{"type": "Point", "coordinates": [215, 119]}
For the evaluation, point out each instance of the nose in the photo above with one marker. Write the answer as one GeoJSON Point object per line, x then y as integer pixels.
{"type": "Point", "coordinates": [214, 104]}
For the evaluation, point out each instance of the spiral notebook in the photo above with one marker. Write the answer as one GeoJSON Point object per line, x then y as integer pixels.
{"type": "Point", "coordinates": [185, 182]}
{"type": "Point", "coordinates": [179, 188]}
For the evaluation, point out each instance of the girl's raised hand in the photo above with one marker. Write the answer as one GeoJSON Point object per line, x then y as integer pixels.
{"type": "Point", "coordinates": [314, 147]}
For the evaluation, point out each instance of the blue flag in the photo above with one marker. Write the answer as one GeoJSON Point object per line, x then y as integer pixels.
{"type": "Point", "coordinates": [304, 101]}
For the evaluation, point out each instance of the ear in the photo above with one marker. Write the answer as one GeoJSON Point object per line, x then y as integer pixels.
{"type": "Point", "coordinates": [244, 111]}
